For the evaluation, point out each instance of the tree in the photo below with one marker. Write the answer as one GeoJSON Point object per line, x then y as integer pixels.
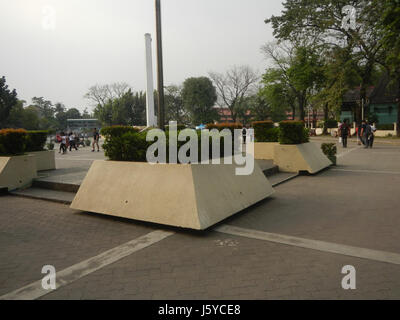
{"type": "Point", "coordinates": [130, 109]}
{"type": "Point", "coordinates": [174, 108]}
{"type": "Point", "coordinates": [320, 21]}
{"type": "Point", "coordinates": [389, 26]}
{"type": "Point", "coordinates": [101, 94]}
{"type": "Point", "coordinates": [8, 99]}
{"type": "Point", "coordinates": [234, 86]}
{"type": "Point", "coordinates": [296, 71]}
{"type": "Point", "coordinates": [199, 97]}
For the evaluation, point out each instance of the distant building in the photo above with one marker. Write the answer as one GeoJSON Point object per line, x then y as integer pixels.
{"type": "Point", "coordinates": [82, 125]}
{"type": "Point", "coordinates": [380, 100]}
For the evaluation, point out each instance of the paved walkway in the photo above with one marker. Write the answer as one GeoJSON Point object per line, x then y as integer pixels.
{"type": "Point", "coordinates": [344, 216]}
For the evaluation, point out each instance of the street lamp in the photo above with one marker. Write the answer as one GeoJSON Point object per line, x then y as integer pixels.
{"type": "Point", "coordinates": [160, 73]}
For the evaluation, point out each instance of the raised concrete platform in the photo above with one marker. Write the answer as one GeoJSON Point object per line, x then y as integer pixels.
{"type": "Point", "coordinates": [17, 172]}
{"type": "Point", "coordinates": [187, 196]}
{"type": "Point", "coordinates": [46, 194]}
{"type": "Point", "coordinates": [45, 160]}
{"type": "Point", "coordinates": [264, 150]}
{"type": "Point", "coordinates": [300, 157]}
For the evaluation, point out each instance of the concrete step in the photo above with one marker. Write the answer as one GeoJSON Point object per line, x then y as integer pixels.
{"type": "Point", "coordinates": [45, 194]}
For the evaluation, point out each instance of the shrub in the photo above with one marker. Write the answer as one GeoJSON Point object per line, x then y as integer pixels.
{"type": "Point", "coordinates": [12, 141]}
{"type": "Point", "coordinates": [129, 146]}
{"type": "Point", "coordinates": [222, 126]}
{"type": "Point", "coordinates": [87, 142]}
{"type": "Point", "coordinates": [389, 126]}
{"type": "Point", "coordinates": [117, 131]}
{"type": "Point", "coordinates": [331, 123]}
{"type": "Point", "coordinates": [292, 132]}
{"type": "Point", "coordinates": [264, 131]}
{"type": "Point", "coordinates": [50, 146]}
{"type": "Point", "coordinates": [178, 127]}
{"type": "Point", "coordinates": [36, 140]}
{"type": "Point", "coordinates": [330, 150]}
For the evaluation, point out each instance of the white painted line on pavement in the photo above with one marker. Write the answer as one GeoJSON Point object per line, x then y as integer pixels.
{"type": "Point", "coordinates": [82, 269]}
{"type": "Point", "coordinates": [367, 171]}
{"type": "Point", "coordinates": [347, 152]}
{"type": "Point", "coordinates": [357, 252]}
{"type": "Point", "coordinates": [77, 159]}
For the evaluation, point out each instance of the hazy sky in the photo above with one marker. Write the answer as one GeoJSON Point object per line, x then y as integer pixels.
{"type": "Point", "coordinates": [102, 41]}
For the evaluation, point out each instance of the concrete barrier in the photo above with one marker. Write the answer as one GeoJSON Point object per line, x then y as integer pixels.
{"type": "Point", "coordinates": [301, 157]}
{"type": "Point", "coordinates": [187, 196]}
{"type": "Point", "coordinates": [17, 172]}
{"type": "Point", "coordinates": [264, 150]}
{"type": "Point", "coordinates": [45, 160]}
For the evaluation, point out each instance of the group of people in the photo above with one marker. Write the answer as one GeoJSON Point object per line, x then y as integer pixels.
{"type": "Point", "coordinates": [364, 132]}
{"type": "Point", "coordinates": [73, 140]}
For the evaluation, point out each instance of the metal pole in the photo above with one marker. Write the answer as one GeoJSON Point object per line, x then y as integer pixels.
{"type": "Point", "coordinates": [160, 75]}
{"type": "Point", "coordinates": [150, 86]}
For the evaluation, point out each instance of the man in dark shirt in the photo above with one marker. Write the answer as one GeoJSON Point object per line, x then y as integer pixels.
{"type": "Point", "coordinates": [96, 138]}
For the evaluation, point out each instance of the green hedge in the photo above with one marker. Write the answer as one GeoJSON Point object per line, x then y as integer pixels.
{"type": "Point", "coordinates": [12, 141]}
{"type": "Point", "coordinates": [331, 123]}
{"type": "Point", "coordinates": [222, 126]}
{"type": "Point", "coordinates": [117, 131]}
{"type": "Point", "coordinates": [293, 132]}
{"type": "Point", "coordinates": [330, 150]}
{"type": "Point", "coordinates": [389, 126]}
{"type": "Point", "coordinates": [178, 127]}
{"type": "Point", "coordinates": [36, 140]}
{"type": "Point", "coordinates": [132, 145]}
{"type": "Point", "coordinates": [264, 131]}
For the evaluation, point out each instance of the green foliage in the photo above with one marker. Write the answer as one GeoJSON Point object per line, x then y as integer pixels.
{"type": "Point", "coordinates": [264, 131]}
{"type": "Point", "coordinates": [8, 99]}
{"type": "Point", "coordinates": [199, 97]}
{"type": "Point", "coordinates": [178, 127]}
{"type": "Point", "coordinates": [129, 146]}
{"type": "Point", "coordinates": [87, 143]}
{"type": "Point", "coordinates": [113, 131]}
{"type": "Point", "coordinates": [12, 141]}
{"type": "Point", "coordinates": [50, 146]}
{"type": "Point", "coordinates": [293, 132]}
{"type": "Point", "coordinates": [331, 123]}
{"type": "Point", "coordinates": [36, 140]}
{"type": "Point", "coordinates": [389, 126]}
{"type": "Point", "coordinates": [330, 150]}
{"type": "Point", "coordinates": [222, 126]}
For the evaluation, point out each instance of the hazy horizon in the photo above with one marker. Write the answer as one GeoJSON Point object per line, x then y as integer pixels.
{"type": "Point", "coordinates": [102, 41]}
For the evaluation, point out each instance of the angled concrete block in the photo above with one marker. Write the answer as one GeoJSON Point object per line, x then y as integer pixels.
{"type": "Point", "coordinates": [187, 196]}
{"type": "Point", "coordinates": [45, 160]}
{"type": "Point", "coordinates": [264, 150]}
{"type": "Point", "coordinates": [300, 157]}
{"type": "Point", "coordinates": [17, 172]}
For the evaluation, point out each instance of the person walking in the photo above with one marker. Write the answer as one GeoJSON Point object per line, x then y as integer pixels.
{"type": "Point", "coordinates": [366, 133]}
{"type": "Point", "coordinates": [63, 144]}
{"type": "Point", "coordinates": [244, 133]}
{"type": "Point", "coordinates": [72, 141]}
{"type": "Point", "coordinates": [372, 135]}
{"type": "Point", "coordinates": [344, 132]}
{"type": "Point", "coordinates": [363, 135]}
{"type": "Point", "coordinates": [96, 138]}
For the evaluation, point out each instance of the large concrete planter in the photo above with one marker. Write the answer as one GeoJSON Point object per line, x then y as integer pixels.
{"type": "Point", "coordinates": [45, 160]}
{"type": "Point", "coordinates": [187, 196]}
{"type": "Point", "coordinates": [264, 150]}
{"type": "Point", "coordinates": [17, 172]}
{"type": "Point", "coordinates": [300, 157]}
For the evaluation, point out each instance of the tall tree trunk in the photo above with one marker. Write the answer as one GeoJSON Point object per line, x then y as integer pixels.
{"type": "Point", "coordinates": [326, 116]}
{"type": "Point", "coordinates": [301, 107]}
{"type": "Point", "coordinates": [398, 107]}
